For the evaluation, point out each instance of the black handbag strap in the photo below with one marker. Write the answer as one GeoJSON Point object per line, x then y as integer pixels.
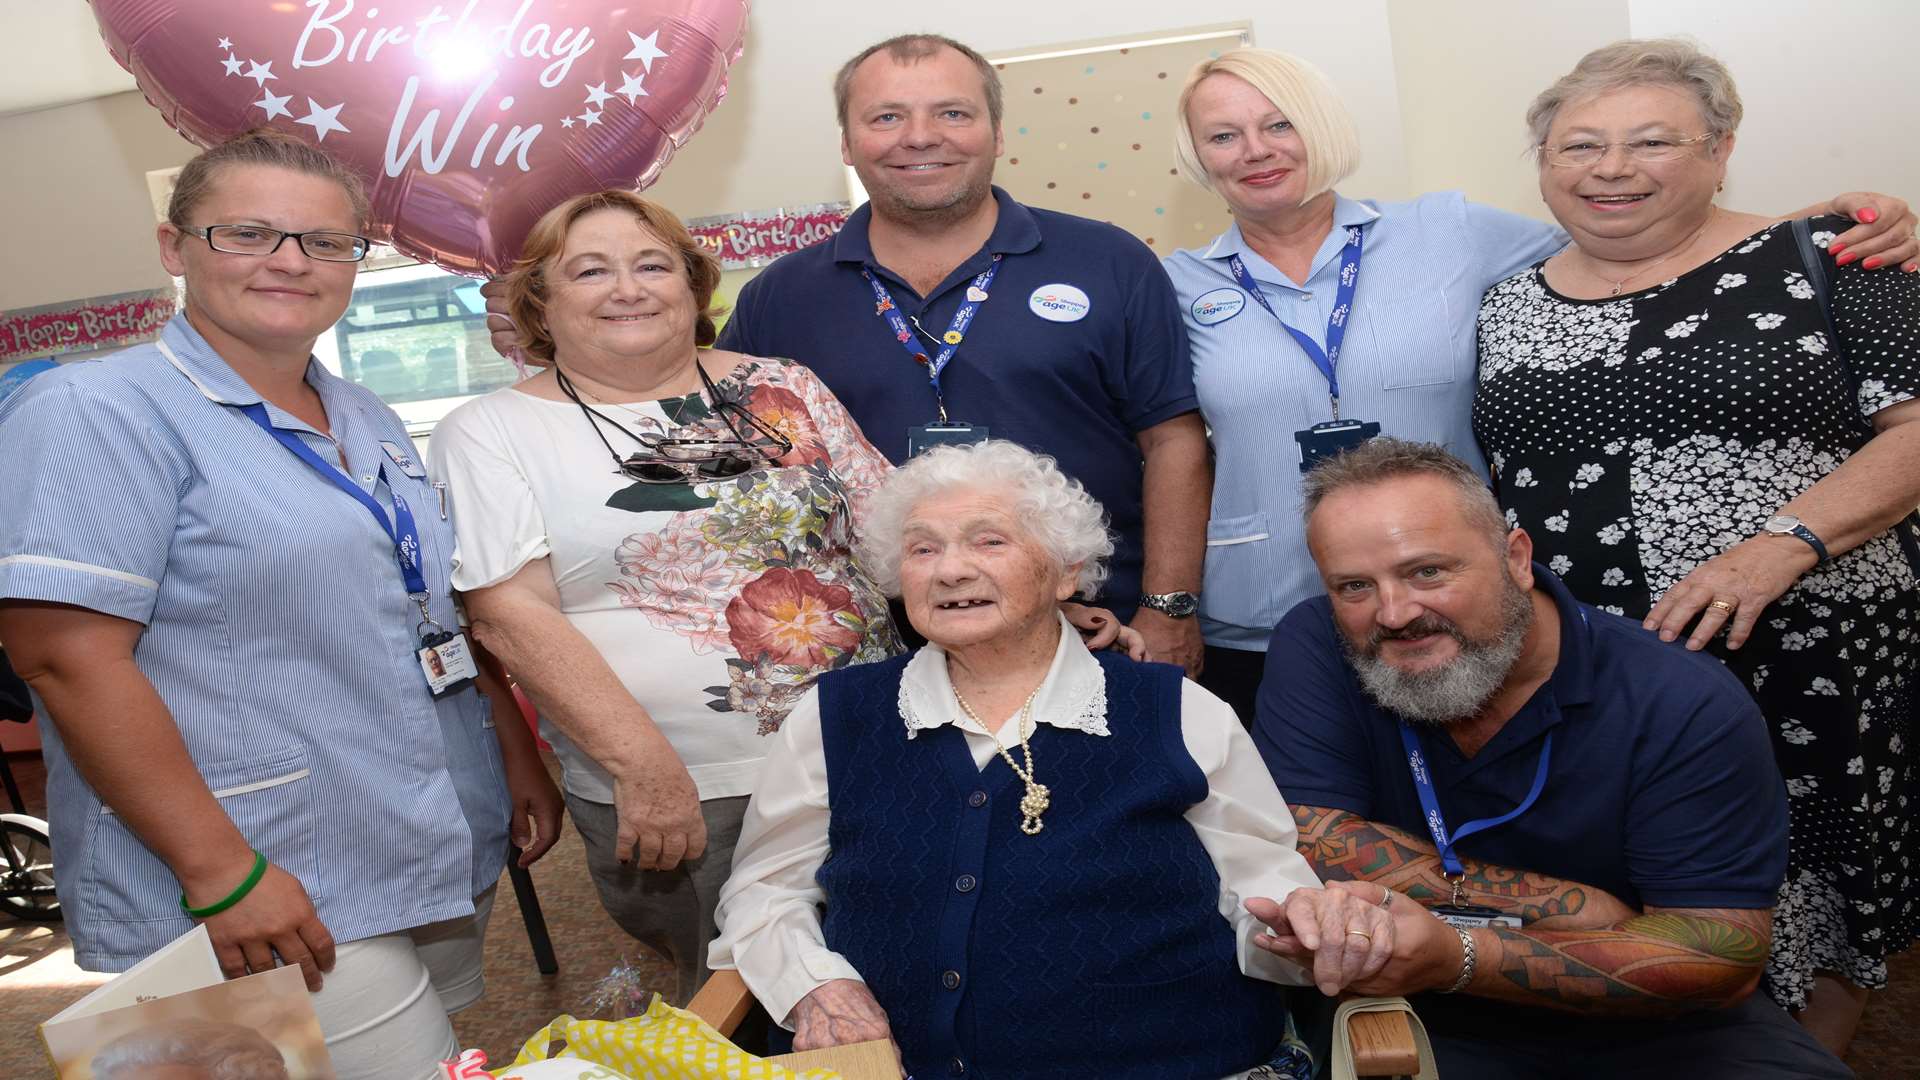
{"type": "Point", "coordinates": [1814, 261]}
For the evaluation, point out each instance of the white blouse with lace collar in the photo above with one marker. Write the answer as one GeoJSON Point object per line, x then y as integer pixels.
{"type": "Point", "coordinates": [769, 926]}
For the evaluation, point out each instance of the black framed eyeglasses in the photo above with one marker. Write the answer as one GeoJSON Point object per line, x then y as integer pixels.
{"type": "Point", "coordinates": [262, 241]}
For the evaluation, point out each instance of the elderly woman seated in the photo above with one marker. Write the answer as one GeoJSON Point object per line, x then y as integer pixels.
{"type": "Point", "coordinates": [1032, 859]}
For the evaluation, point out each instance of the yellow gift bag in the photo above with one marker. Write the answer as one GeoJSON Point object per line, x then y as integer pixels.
{"type": "Point", "coordinates": [663, 1044]}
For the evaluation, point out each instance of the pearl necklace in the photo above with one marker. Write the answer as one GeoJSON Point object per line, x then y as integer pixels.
{"type": "Point", "coordinates": [1037, 798]}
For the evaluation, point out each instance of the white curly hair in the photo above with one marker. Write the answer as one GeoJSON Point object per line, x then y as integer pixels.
{"type": "Point", "coordinates": [1055, 509]}
{"type": "Point", "coordinates": [223, 1051]}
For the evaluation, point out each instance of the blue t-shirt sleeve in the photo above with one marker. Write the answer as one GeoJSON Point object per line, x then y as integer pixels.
{"type": "Point", "coordinates": [1308, 722]}
{"type": "Point", "coordinates": [92, 490]}
{"type": "Point", "coordinates": [1505, 243]}
{"type": "Point", "coordinates": [1707, 826]}
{"type": "Point", "coordinates": [1155, 374]}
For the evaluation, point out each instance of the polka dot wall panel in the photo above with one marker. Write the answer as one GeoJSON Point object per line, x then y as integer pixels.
{"type": "Point", "coordinates": [1092, 134]}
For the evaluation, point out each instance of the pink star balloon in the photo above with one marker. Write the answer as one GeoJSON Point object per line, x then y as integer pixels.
{"type": "Point", "coordinates": [468, 118]}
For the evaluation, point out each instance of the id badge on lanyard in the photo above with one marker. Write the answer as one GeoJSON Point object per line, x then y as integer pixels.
{"type": "Point", "coordinates": [1336, 436]}
{"type": "Point", "coordinates": [444, 657]}
{"type": "Point", "coordinates": [944, 430]}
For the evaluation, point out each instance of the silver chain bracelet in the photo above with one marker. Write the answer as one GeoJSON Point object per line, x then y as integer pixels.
{"type": "Point", "coordinates": [1466, 969]}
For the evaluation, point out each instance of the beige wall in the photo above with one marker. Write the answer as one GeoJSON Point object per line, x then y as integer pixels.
{"type": "Point", "coordinates": [73, 197]}
{"type": "Point", "coordinates": [1437, 87]}
{"type": "Point", "coordinates": [1465, 80]}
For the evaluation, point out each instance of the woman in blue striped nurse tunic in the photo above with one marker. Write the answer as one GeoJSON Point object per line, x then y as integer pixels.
{"type": "Point", "coordinates": [224, 575]}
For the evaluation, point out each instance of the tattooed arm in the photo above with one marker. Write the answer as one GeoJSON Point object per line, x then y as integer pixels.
{"type": "Point", "coordinates": [1666, 961]}
{"type": "Point", "coordinates": [1344, 846]}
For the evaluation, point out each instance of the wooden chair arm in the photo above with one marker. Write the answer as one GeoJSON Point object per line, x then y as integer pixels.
{"type": "Point", "coordinates": [1382, 1042]}
{"type": "Point", "coordinates": [1383, 1045]}
{"type": "Point", "coordinates": [723, 1002]}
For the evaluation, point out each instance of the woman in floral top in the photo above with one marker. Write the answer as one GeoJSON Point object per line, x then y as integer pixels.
{"type": "Point", "coordinates": [1669, 417]}
{"type": "Point", "coordinates": [656, 539]}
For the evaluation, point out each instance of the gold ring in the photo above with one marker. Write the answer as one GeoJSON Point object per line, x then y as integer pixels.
{"type": "Point", "coordinates": [1722, 606]}
{"type": "Point", "coordinates": [1361, 933]}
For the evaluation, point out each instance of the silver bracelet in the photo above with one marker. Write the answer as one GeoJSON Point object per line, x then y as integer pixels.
{"type": "Point", "coordinates": [1466, 969]}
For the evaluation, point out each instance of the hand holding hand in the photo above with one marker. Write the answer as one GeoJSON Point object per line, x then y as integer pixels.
{"type": "Point", "coordinates": [658, 807]}
{"type": "Point", "coordinates": [1336, 932]}
{"type": "Point", "coordinates": [275, 917]}
{"type": "Point", "coordinates": [1424, 954]}
{"type": "Point", "coordinates": [836, 1013]}
{"type": "Point", "coordinates": [1735, 585]}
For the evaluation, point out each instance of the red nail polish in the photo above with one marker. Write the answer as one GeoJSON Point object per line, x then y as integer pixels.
{"type": "Point", "coordinates": [1912, 267]}
{"type": "Point", "coordinates": [1834, 249]}
{"type": "Point", "coordinates": [1845, 259]}
{"type": "Point", "coordinates": [1869, 215]}
{"type": "Point", "coordinates": [1871, 264]}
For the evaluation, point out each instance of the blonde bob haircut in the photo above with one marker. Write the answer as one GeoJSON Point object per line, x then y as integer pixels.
{"type": "Point", "coordinates": [528, 288]}
{"type": "Point", "coordinates": [1301, 92]}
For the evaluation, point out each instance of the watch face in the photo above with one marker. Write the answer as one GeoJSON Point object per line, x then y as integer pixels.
{"type": "Point", "coordinates": [1782, 523]}
{"type": "Point", "coordinates": [1176, 604]}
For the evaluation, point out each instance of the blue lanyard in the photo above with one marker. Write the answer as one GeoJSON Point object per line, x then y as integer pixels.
{"type": "Point", "coordinates": [1437, 825]}
{"type": "Point", "coordinates": [1328, 359]}
{"type": "Point", "coordinates": [956, 331]}
{"type": "Point", "coordinates": [405, 537]}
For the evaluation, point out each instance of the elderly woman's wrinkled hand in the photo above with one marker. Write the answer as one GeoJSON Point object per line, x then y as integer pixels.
{"type": "Point", "coordinates": [1884, 235]}
{"type": "Point", "coordinates": [836, 1013]}
{"type": "Point", "coordinates": [1731, 589]}
{"type": "Point", "coordinates": [1341, 932]}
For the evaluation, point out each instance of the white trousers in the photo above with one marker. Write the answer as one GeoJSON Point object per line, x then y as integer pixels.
{"type": "Point", "coordinates": [384, 1006]}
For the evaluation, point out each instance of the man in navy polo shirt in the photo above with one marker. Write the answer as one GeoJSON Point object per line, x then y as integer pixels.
{"type": "Point", "coordinates": [946, 311]}
{"type": "Point", "coordinates": [1595, 815]}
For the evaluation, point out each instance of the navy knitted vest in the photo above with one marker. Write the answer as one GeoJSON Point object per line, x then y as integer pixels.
{"type": "Point", "coordinates": [1093, 949]}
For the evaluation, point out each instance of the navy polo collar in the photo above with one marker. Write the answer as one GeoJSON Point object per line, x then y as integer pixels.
{"type": "Point", "coordinates": [1572, 679]}
{"type": "Point", "coordinates": [1016, 232]}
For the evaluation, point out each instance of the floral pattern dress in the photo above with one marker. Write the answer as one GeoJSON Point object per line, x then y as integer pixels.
{"type": "Point", "coordinates": [1638, 436]}
{"type": "Point", "coordinates": [717, 603]}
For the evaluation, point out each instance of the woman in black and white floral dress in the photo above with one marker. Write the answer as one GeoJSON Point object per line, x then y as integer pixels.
{"type": "Point", "coordinates": [1651, 398]}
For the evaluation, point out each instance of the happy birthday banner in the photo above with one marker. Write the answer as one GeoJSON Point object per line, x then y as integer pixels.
{"type": "Point", "coordinates": [747, 241]}
{"type": "Point", "coordinates": [471, 118]}
{"type": "Point", "coordinates": [103, 322]}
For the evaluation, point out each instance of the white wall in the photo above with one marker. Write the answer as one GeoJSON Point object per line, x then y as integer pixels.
{"type": "Point", "coordinates": [1832, 98]}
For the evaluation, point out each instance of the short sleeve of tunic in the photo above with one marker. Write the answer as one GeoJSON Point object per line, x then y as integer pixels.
{"type": "Point", "coordinates": [91, 490]}
{"type": "Point", "coordinates": [1306, 724]}
{"type": "Point", "coordinates": [498, 527]}
{"type": "Point", "coordinates": [1155, 376]}
{"type": "Point", "coordinates": [1877, 314]}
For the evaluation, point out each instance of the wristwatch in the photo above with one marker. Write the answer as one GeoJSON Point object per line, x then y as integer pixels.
{"type": "Point", "coordinates": [1788, 525]}
{"type": "Point", "coordinates": [1178, 605]}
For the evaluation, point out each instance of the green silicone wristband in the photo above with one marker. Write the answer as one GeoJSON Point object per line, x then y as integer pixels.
{"type": "Point", "coordinates": [253, 878]}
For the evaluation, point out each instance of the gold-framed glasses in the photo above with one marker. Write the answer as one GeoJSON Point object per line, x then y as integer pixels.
{"type": "Point", "coordinates": [1648, 149]}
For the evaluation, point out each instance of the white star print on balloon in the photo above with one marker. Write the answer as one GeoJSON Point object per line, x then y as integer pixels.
{"type": "Point", "coordinates": [597, 95]}
{"type": "Point", "coordinates": [225, 43]}
{"type": "Point", "coordinates": [233, 66]}
{"type": "Point", "coordinates": [322, 120]}
{"type": "Point", "coordinates": [260, 72]}
{"type": "Point", "coordinates": [630, 86]}
{"type": "Point", "coordinates": [589, 118]}
{"type": "Point", "coordinates": [275, 106]}
{"type": "Point", "coordinates": [566, 121]}
{"type": "Point", "coordinates": [645, 49]}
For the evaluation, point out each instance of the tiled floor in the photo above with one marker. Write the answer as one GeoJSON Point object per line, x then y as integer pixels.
{"type": "Point", "coordinates": [38, 979]}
